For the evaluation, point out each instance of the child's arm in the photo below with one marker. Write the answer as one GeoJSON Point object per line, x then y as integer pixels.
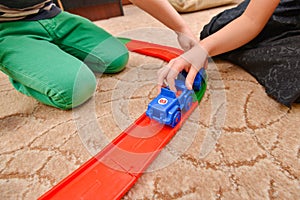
{"type": "Point", "coordinates": [235, 34]}
{"type": "Point", "coordinates": [241, 30]}
{"type": "Point", "coordinates": [163, 11]}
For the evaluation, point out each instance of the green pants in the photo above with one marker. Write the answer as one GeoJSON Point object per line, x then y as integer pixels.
{"type": "Point", "coordinates": [52, 60]}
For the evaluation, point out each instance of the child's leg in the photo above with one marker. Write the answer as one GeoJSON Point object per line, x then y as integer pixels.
{"type": "Point", "coordinates": [94, 46]}
{"type": "Point", "coordinates": [273, 56]}
{"type": "Point", "coordinates": [275, 65]}
{"type": "Point", "coordinates": [42, 70]}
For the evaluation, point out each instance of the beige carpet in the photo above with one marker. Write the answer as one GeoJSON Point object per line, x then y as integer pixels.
{"type": "Point", "coordinates": [238, 144]}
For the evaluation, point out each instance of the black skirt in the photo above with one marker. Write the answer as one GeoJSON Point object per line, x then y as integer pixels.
{"type": "Point", "coordinates": [273, 57]}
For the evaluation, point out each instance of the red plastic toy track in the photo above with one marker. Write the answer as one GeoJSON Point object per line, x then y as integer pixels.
{"type": "Point", "coordinates": [155, 50]}
{"type": "Point", "coordinates": [111, 173]}
{"type": "Point", "coordinates": [114, 170]}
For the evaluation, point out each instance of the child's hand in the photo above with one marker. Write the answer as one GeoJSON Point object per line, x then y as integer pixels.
{"type": "Point", "coordinates": [186, 40]}
{"type": "Point", "coordinates": [192, 61]}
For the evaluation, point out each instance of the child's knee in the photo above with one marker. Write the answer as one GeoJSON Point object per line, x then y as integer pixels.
{"type": "Point", "coordinates": [65, 94]}
{"type": "Point", "coordinates": [109, 57]}
{"type": "Point", "coordinates": [118, 64]}
{"type": "Point", "coordinates": [78, 92]}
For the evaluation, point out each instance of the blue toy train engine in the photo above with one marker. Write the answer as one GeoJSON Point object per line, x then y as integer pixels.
{"type": "Point", "coordinates": [167, 108]}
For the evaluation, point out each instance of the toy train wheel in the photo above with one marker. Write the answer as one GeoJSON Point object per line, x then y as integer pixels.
{"type": "Point", "coordinates": [176, 118]}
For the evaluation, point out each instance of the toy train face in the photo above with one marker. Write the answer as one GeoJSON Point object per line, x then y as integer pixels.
{"type": "Point", "coordinates": [167, 108]}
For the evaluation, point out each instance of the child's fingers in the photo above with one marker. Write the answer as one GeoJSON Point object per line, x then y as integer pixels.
{"type": "Point", "coordinates": [162, 75]}
{"type": "Point", "coordinates": [172, 75]}
{"type": "Point", "coordinates": [205, 64]}
{"type": "Point", "coordinates": [190, 78]}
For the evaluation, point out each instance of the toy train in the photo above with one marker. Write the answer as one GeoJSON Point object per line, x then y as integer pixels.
{"type": "Point", "coordinates": [167, 107]}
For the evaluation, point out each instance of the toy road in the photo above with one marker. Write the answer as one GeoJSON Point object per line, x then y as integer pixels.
{"type": "Point", "coordinates": [114, 170]}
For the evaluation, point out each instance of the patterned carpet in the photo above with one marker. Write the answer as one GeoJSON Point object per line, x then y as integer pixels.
{"type": "Point", "coordinates": [238, 144]}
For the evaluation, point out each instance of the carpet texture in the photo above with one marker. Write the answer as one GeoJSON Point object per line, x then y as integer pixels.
{"type": "Point", "coordinates": [238, 144]}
